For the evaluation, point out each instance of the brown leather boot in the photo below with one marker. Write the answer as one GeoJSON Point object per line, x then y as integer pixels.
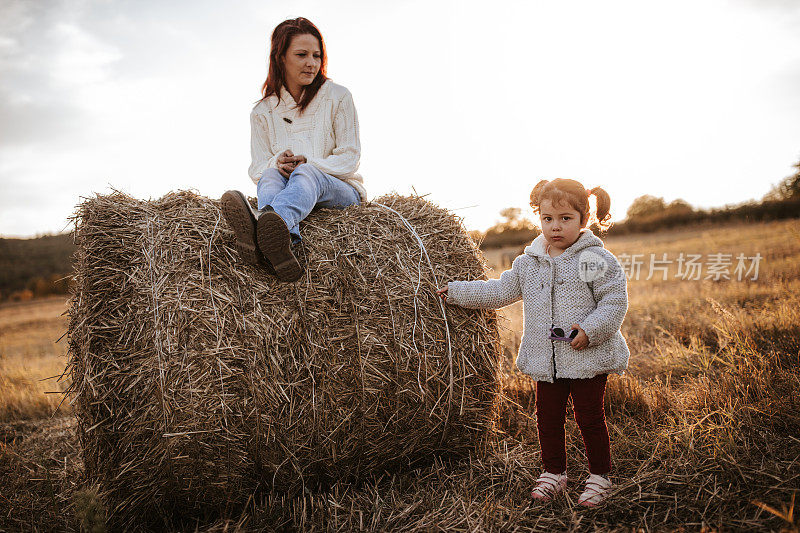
{"type": "Point", "coordinates": [241, 217]}
{"type": "Point", "coordinates": [275, 243]}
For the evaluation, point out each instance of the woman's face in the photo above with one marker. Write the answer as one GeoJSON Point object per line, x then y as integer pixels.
{"type": "Point", "coordinates": [302, 60]}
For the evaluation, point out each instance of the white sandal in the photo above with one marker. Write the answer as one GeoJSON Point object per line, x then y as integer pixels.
{"type": "Point", "coordinates": [598, 488]}
{"type": "Point", "coordinates": [549, 485]}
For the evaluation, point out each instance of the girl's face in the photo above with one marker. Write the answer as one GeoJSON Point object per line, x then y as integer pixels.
{"type": "Point", "coordinates": [302, 60]}
{"type": "Point", "coordinates": [561, 224]}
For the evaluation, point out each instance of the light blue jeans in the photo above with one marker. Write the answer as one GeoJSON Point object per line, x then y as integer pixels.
{"type": "Point", "coordinates": [306, 188]}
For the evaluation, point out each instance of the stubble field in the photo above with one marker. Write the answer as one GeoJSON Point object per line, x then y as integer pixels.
{"type": "Point", "coordinates": [705, 426]}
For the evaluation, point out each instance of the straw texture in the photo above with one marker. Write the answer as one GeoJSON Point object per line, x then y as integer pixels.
{"type": "Point", "coordinates": [198, 380]}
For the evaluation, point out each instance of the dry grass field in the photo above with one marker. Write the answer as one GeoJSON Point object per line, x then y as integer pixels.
{"type": "Point", "coordinates": [31, 360]}
{"type": "Point", "coordinates": [705, 426]}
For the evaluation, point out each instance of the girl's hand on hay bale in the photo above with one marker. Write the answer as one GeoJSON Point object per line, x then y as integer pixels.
{"type": "Point", "coordinates": [581, 340]}
{"type": "Point", "coordinates": [442, 294]}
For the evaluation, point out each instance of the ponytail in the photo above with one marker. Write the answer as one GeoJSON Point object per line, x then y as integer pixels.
{"type": "Point", "coordinates": [603, 207]}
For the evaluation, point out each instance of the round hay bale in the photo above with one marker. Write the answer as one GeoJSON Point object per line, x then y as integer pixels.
{"type": "Point", "coordinates": [198, 379]}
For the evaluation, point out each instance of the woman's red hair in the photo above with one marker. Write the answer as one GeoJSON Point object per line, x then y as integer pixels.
{"type": "Point", "coordinates": [276, 76]}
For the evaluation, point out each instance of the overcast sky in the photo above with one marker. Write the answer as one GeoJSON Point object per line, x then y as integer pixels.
{"type": "Point", "coordinates": [469, 102]}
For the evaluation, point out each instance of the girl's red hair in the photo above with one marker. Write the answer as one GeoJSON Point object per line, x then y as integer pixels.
{"type": "Point", "coordinates": [572, 193]}
{"type": "Point", "coordinates": [281, 39]}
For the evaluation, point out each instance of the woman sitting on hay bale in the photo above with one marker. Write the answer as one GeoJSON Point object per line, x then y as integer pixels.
{"type": "Point", "coordinates": [305, 151]}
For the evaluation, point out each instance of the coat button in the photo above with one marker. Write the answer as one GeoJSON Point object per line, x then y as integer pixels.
{"type": "Point", "coordinates": [560, 282]}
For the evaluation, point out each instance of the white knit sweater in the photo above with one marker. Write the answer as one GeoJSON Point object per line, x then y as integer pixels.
{"type": "Point", "coordinates": [585, 285]}
{"type": "Point", "coordinates": [326, 134]}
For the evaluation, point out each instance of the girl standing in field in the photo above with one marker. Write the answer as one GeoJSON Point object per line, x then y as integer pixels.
{"type": "Point", "coordinates": [305, 151]}
{"type": "Point", "coordinates": [574, 301]}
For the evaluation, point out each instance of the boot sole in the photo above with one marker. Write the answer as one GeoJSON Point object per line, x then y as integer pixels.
{"type": "Point", "coordinates": [236, 211]}
{"type": "Point", "coordinates": [275, 243]}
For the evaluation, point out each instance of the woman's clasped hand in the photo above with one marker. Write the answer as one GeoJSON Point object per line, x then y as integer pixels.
{"type": "Point", "coordinates": [287, 162]}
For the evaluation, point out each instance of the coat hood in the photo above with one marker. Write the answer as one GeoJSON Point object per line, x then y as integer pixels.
{"type": "Point", "coordinates": [586, 239]}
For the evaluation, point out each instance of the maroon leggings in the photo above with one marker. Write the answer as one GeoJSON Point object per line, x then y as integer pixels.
{"type": "Point", "coordinates": [587, 403]}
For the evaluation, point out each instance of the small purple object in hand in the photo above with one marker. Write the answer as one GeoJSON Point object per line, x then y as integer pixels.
{"type": "Point", "coordinates": [557, 334]}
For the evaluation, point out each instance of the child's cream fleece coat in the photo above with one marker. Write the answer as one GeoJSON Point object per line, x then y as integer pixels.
{"type": "Point", "coordinates": [584, 285]}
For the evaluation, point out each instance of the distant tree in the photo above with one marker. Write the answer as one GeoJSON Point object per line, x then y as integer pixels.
{"type": "Point", "coordinates": [511, 214]}
{"type": "Point", "coordinates": [646, 205]}
{"type": "Point", "coordinates": [679, 206]}
{"type": "Point", "coordinates": [786, 189]}
{"type": "Point", "coordinates": [514, 220]}
{"type": "Point", "coordinates": [512, 230]}
{"type": "Point", "coordinates": [21, 296]}
{"type": "Point", "coordinates": [40, 287]}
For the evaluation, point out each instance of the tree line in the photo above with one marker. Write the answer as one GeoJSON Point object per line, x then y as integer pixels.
{"type": "Point", "coordinates": [35, 267]}
{"type": "Point", "coordinates": [650, 213]}
{"type": "Point", "coordinates": [42, 266]}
